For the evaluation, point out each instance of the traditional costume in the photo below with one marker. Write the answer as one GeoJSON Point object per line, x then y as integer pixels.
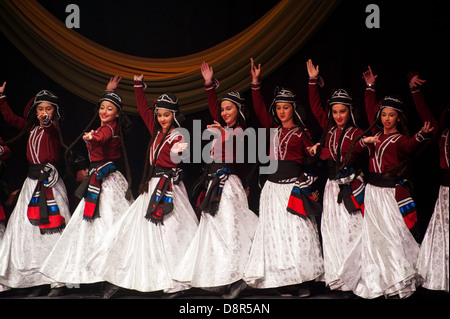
{"type": "Point", "coordinates": [102, 203]}
{"type": "Point", "coordinates": [286, 249]}
{"type": "Point", "coordinates": [41, 212]}
{"type": "Point", "coordinates": [142, 250]}
{"type": "Point", "coordinates": [343, 197]}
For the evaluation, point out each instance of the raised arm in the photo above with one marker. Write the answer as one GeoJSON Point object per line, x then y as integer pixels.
{"type": "Point", "coordinates": [210, 88]}
{"type": "Point", "coordinates": [370, 96]}
{"type": "Point", "coordinates": [258, 102]}
{"type": "Point", "coordinates": [314, 95]}
{"type": "Point", "coordinates": [145, 111]}
{"type": "Point", "coordinates": [10, 118]}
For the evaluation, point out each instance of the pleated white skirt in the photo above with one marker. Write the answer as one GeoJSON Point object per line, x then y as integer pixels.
{"type": "Point", "coordinates": [433, 256]}
{"type": "Point", "coordinates": [286, 249]}
{"type": "Point", "coordinates": [67, 261]}
{"type": "Point", "coordinates": [140, 255]}
{"type": "Point", "coordinates": [23, 249]}
{"type": "Point", "coordinates": [221, 246]}
{"type": "Point", "coordinates": [384, 261]}
{"type": "Point", "coordinates": [340, 233]}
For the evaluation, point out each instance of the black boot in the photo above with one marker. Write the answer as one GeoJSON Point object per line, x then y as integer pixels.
{"type": "Point", "coordinates": [56, 292]}
{"type": "Point", "coordinates": [110, 291]}
{"type": "Point", "coordinates": [236, 289]}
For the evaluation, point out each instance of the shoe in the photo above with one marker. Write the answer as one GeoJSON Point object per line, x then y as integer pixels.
{"type": "Point", "coordinates": [35, 292]}
{"type": "Point", "coordinates": [304, 292]}
{"type": "Point", "coordinates": [110, 291]}
{"type": "Point", "coordinates": [235, 289]}
{"type": "Point", "coordinates": [172, 295]}
{"type": "Point", "coordinates": [56, 292]}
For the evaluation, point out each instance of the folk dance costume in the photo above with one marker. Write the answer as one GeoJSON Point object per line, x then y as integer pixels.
{"type": "Point", "coordinates": [217, 255]}
{"type": "Point", "coordinates": [102, 203]}
{"type": "Point", "coordinates": [5, 153]}
{"type": "Point", "coordinates": [343, 198]}
{"type": "Point", "coordinates": [286, 249]}
{"type": "Point", "coordinates": [433, 263]}
{"type": "Point", "coordinates": [388, 249]}
{"type": "Point", "coordinates": [142, 250]}
{"type": "Point", "coordinates": [41, 212]}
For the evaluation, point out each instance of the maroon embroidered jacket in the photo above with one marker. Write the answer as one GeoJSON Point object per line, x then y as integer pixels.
{"type": "Point", "coordinates": [393, 147]}
{"type": "Point", "coordinates": [106, 144]}
{"type": "Point", "coordinates": [164, 157]}
{"type": "Point", "coordinates": [285, 143]}
{"type": "Point", "coordinates": [329, 151]}
{"type": "Point", "coordinates": [43, 142]}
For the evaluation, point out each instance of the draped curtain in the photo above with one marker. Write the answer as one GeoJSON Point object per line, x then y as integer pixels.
{"type": "Point", "coordinates": [84, 67]}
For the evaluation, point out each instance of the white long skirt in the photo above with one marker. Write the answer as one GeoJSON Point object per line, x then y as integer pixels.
{"type": "Point", "coordinates": [138, 254]}
{"type": "Point", "coordinates": [23, 249]}
{"type": "Point", "coordinates": [384, 261]}
{"type": "Point", "coordinates": [67, 261]}
{"type": "Point", "coordinates": [433, 256]}
{"type": "Point", "coordinates": [340, 233]}
{"type": "Point", "coordinates": [286, 249]}
{"type": "Point", "coordinates": [220, 248]}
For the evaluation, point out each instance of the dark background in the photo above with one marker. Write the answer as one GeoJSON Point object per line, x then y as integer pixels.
{"type": "Point", "coordinates": [413, 35]}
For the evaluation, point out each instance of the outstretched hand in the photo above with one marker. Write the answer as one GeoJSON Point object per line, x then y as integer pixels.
{"type": "Point", "coordinates": [88, 135]}
{"type": "Point", "coordinates": [2, 88]}
{"type": "Point", "coordinates": [369, 77]}
{"type": "Point", "coordinates": [255, 71]}
{"type": "Point", "coordinates": [427, 128]}
{"type": "Point", "coordinates": [416, 81]}
{"type": "Point", "coordinates": [312, 150]}
{"type": "Point", "coordinates": [312, 71]}
{"type": "Point", "coordinates": [207, 72]}
{"type": "Point", "coordinates": [113, 83]}
{"type": "Point", "coordinates": [371, 140]}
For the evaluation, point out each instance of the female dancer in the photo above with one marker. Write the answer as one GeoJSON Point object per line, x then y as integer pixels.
{"type": "Point", "coordinates": [219, 251]}
{"type": "Point", "coordinates": [142, 250]}
{"type": "Point", "coordinates": [388, 250]}
{"type": "Point", "coordinates": [432, 263]}
{"type": "Point", "coordinates": [343, 198]}
{"type": "Point", "coordinates": [41, 212]}
{"type": "Point", "coordinates": [102, 193]}
{"type": "Point", "coordinates": [5, 153]}
{"type": "Point", "coordinates": [286, 249]}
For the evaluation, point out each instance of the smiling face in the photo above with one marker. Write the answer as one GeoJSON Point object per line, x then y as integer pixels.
{"type": "Point", "coordinates": [108, 112]}
{"type": "Point", "coordinates": [229, 112]}
{"type": "Point", "coordinates": [341, 114]}
{"type": "Point", "coordinates": [165, 119]}
{"type": "Point", "coordinates": [45, 109]}
{"type": "Point", "coordinates": [389, 119]}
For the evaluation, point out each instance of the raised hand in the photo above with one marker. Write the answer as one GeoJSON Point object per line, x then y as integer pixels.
{"type": "Point", "coordinates": [312, 71]}
{"type": "Point", "coordinates": [426, 128]}
{"type": "Point", "coordinates": [369, 77]}
{"type": "Point", "coordinates": [207, 72]}
{"type": "Point", "coordinates": [2, 88]}
{"type": "Point", "coordinates": [255, 71]}
{"type": "Point", "coordinates": [215, 128]}
{"type": "Point", "coordinates": [113, 83]}
{"type": "Point", "coordinates": [416, 81]}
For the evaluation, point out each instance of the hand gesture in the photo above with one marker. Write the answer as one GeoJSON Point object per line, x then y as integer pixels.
{"type": "Point", "coordinates": [426, 128]}
{"type": "Point", "coordinates": [312, 150]}
{"type": "Point", "coordinates": [2, 88]}
{"type": "Point", "coordinates": [312, 71]}
{"type": "Point", "coordinates": [369, 77]}
{"type": "Point", "coordinates": [215, 128]}
{"type": "Point", "coordinates": [371, 140]}
{"type": "Point", "coordinates": [207, 72]}
{"type": "Point", "coordinates": [88, 135]}
{"type": "Point", "coordinates": [113, 83]}
{"type": "Point", "coordinates": [139, 77]}
{"type": "Point", "coordinates": [255, 71]}
{"type": "Point", "coordinates": [178, 147]}
{"type": "Point", "coordinates": [416, 81]}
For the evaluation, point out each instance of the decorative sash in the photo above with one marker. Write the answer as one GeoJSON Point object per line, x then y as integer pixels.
{"type": "Point", "coordinates": [91, 187]}
{"type": "Point", "coordinates": [351, 190]}
{"type": "Point", "coordinates": [43, 210]}
{"type": "Point", "coordinates": [218, 174]}
{"type": "Point", "coordinates": [161, 202]}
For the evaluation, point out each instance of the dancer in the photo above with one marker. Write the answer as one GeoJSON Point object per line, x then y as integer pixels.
{"type": "Point", "coordinates": [217, 255]}
{"type": "Point", "coordinates": [142, 250]}
{"type": "Point", "coordinates": [102, 193]}
{"type": "Point", "coordinates": [286, 249]}
{"type": "Point", "coordinates": [387, 249]}
{"type": "Point", "coordinates": [5, 153]}
{"type": "Point", "coordinates": [432, 263]}
{"type": "Point", "coordinates": [343, 198]}
{"type": "Point", "coordinates": [41, 212]}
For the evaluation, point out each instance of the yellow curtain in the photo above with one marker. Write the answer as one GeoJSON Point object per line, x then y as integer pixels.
{"type": "Point", "coordinates": [84, 67]}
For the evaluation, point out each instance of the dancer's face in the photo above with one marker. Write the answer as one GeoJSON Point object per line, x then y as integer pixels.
{"type": "Point", "coordinates": [229, 112]}
{"type": "Point", "coordinates": [45, 109]}
{"type": "Point", "coordinates": [389, 119]}
{"type": "Point", "coordinates": [285, 112]}
{"type": "Point", "coordinates": [108, 112]}
{"type": "Point", "coordinates": [341, 114]}
{"type": "Point", "coordinates": [165, 119]}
